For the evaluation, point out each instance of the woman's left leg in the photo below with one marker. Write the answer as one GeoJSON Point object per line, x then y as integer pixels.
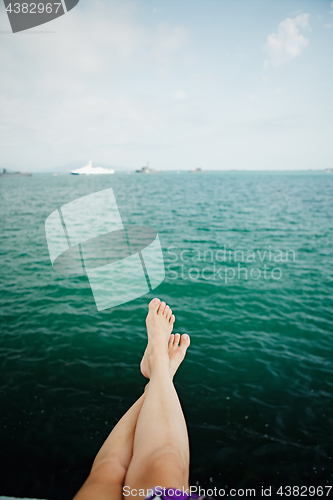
{"type": "Point", "coordinates": [106, 478]}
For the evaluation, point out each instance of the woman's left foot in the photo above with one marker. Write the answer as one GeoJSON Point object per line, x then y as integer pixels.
{"type": "Point", "coordinates": [177, 349]}
{"type": "Point", "coordinates": [176, 352]}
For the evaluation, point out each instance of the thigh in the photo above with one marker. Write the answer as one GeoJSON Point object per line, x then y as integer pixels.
{"type": "Point", "coordinates": [99, 491]}
{"type": "Point", "coordinates": [165, 470]}
{"type": "Point", "coordinates": [105, 482]}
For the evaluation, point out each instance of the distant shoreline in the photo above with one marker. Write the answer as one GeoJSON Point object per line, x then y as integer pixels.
{"type": "Point", "coordinates": [203, 172]}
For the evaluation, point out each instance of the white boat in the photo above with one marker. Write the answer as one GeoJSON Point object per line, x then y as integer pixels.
{"type": "Point", "coordinates": [90, 170]}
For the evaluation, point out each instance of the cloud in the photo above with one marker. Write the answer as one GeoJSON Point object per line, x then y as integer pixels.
{"type": "Point", "coordinates": [179, 95]}
{"type": "Point", "coordinates": [287, 43]}
{"type": "Point", "coordinates": [168, 40]}
{"type": "Point", "coordinates": [204, 78]}
{"type": "Point", "coordinates": [64, 94]}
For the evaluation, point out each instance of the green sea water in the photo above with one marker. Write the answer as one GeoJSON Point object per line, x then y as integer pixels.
{"type": "Point", "coordinates": [249, 275]}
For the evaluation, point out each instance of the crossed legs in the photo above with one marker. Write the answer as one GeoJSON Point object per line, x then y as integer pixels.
{"type": "Point", "coordinates": [149, 445]}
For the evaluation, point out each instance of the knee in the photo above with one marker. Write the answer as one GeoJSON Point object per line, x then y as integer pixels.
{"type": "Point", "coordinates": [168, 459]}
{"type": "Point", "coordinates": [108, 471]}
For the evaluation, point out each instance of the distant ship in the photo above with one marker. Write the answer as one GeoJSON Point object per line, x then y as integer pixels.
{"type": "Point", "coordinates": [195, 170]}
{"type": "Point", "coordinates": [4, 173]}
{"type": "Point", "coordinates": [147, 170]}
{"type": "Point", "coordinates": [90, 170]}
{"type": "Point", "coordinates": [329, 171]}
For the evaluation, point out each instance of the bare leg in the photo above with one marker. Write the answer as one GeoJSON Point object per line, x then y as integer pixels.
{"type": "Point", "coordinates": [108, 472]}
{"type": "Point", "coordinates": [161, 449]}
{"type": "Point", "coordinates": [111, 463]}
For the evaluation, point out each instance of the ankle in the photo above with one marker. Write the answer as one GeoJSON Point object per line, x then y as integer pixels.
{"type": "Point", "coordinates": [159, 360]}
{"type": "Point", "coordinates": [159, 351]}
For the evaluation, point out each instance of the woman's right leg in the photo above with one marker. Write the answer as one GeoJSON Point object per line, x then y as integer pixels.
{"type": "Point", "coordinates": [161, 448]}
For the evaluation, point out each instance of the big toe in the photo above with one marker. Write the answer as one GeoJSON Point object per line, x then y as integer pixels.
{"type": "Point", "coordinates": [154, 304]}
{"type": "Point", "coordinates": [184, 341]}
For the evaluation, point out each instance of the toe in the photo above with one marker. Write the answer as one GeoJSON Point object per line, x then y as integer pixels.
{"type": "Point", "coordinates": [161, 308]}
{"type": "Point", "coordinates": [172, 319]}
{"type": "Point", "coordinates": [153, 305]}
{"type": "Point", "coordinates": [167, 313]}
{"type": "Point", "coordinates": [185, 341]}
{"type": "Point", "coordinates": [177, 339]}
{"type": "Point", "coordinates": [171, 339]}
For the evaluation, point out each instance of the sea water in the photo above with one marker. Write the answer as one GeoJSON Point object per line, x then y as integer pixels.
{"type": "Point", "coordinates": [249, 276]}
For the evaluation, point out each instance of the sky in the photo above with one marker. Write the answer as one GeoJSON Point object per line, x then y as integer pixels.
{"type": "Point", "coordinates": [181, 84]}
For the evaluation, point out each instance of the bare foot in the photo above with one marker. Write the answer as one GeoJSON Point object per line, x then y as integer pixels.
{"type": "Point", "coordinates": [177, 351]}
{"type": "Point", "coordinates": [160, 322]}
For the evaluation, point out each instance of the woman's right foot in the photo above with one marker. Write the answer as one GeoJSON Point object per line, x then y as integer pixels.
{"type": "Point", "coordinates": [160, 322]}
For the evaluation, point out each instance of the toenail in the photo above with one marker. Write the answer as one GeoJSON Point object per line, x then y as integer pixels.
{"type": "Point", "coordinates": [185, 336]}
